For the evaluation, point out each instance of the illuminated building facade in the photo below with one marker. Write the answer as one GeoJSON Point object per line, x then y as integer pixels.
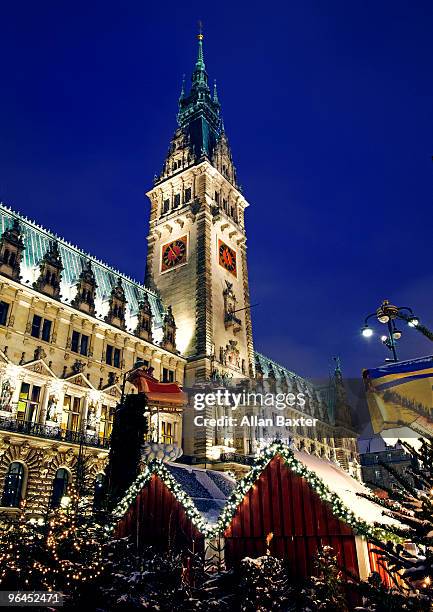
{"type": "Point", "coordinates": [70, 326]}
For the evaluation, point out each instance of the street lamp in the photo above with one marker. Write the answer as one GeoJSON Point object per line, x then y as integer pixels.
{"type": "Point", "coordinates": [387, 314]}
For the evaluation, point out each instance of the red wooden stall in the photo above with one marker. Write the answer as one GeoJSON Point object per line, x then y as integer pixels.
{"type": "Point", "coordinates": [284, 504]}
{"type": "Point", "coordinates": [156, 518]}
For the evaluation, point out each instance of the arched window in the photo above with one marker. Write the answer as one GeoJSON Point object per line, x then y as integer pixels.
{"type": "Point", "coordinates": [60, 486]}
{"type": "Point", "coordinates": [98, 496]}
{"type": "Point", "coordinates": [14, 484]}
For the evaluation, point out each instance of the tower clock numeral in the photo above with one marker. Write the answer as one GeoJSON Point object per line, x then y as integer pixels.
{"type": "Point", "coordinates": [227, 257]}
{"type": "Point", "coordinates": [173, 254]}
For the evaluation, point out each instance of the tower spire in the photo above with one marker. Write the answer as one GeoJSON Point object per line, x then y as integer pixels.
{"type": "Point", "coordinates": [199, 77]}
{"type": "Point", "coordinates": [200, 57]}
{"type": "Point", "coordinates": [182, 91]}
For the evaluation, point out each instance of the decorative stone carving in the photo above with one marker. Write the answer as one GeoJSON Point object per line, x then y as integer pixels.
{"type": "Point", "coordinates": [117, 306]}
{"type": "Point", "coordinates": [86, 290]}
{"type": "Point", "coordinates": [169, 331]}
{"type": "Point", "coordinates": [50, 275]}
{"type": "Point", "coordinates": [230, 318]}
{"type": "Point", "coordinates": [144, 321]}
{"type": "Point", "coordinates": [230, 355]}
{"type": "Point", "coordinates": [78, 367]}
{"type": "Point", "coordinates": [11, 251]}
{"type": "Point", "coordinates": [39, 354]}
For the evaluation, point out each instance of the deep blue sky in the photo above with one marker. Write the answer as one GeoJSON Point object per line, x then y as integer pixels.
{"type": "Point", "coordinates": [328, 108]}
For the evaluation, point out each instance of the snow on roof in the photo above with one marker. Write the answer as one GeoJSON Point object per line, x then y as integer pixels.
{"type": "Point", "coordinates": [208, 489]}
{"type": "Point", "coordinates": [346, 487]}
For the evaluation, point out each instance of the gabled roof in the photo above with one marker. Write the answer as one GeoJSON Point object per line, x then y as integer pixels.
{"type": "Point", "coordinates": [332, 484]}
{"type": "Point", "coordinates": [202, 493]}
{"type": "Point", "coordinates": [37, 241]}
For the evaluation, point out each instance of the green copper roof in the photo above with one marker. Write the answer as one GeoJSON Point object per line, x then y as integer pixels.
{"type": "Point", "coordinates": [37, 240]}
{"type": "Point", "coordinates": [317, 395]}
{"type": "Point", "coordinates": [199, 112]}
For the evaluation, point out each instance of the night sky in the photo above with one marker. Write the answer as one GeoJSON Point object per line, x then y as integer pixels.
{"type": "Point", "coordinates": [328, 109]}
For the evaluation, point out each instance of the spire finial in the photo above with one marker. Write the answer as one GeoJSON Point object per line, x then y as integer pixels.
{"type": "Point", "coordinates": [215, 92]}
{"type": "Point", "coordinates": [182, 91]}
{"type": "Point", "coordinates": [200, 59]}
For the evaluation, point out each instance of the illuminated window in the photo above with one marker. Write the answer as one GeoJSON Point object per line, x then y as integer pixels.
{"type": "Point", "coordinates": [13, 486]}
{"type": "Point", "coordinates": [106, 422]}
{"type": "Point", "coordinates": [29, 403]}
{"type": "Point", "coordinates": [71, 413]}
{"type": "Point", "coordinates": [167, 432]}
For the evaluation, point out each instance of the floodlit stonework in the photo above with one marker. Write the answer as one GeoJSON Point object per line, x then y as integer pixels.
{"type": "Point", "coordinates": [71, 327]}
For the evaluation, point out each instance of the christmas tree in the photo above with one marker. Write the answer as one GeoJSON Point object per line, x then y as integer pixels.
{"type": "Point", "coordinates": [409, 561]}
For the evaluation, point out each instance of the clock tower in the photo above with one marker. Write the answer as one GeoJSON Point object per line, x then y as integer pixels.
{"type": "Point", "coordinates": [197, 245]}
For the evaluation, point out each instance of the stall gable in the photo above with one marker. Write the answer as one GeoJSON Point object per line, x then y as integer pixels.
{"type": "Point", "coordinates": [157, 518]}
{"type": "Point", "coordinates": [284, 504]}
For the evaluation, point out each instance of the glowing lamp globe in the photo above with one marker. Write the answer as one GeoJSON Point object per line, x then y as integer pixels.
{"type": "Point", "coordinates": [367, 332]}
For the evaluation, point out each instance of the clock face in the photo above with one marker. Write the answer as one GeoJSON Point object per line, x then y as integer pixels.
{"type": "Point", "coordinates": [227, 257]}
{"type": "Point", "coordinates": [173, 254]}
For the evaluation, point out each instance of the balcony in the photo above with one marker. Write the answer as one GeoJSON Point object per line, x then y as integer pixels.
{"type": "Point", "coordinates": [47, 432]}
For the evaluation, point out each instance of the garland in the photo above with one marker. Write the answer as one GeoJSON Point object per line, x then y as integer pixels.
{"type": "Point", "coordinates": [339, 509]}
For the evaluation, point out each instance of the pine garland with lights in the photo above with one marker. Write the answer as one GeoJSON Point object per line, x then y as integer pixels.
{"type": "Point", "coordinates": [339, 509]}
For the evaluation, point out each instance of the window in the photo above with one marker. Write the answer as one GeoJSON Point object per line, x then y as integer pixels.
{"type": "Point", "coordinates": [217, 197]}
{"type": "Point", "coordinates": [167, 433]}
{"type": "Point", "coordinates": [13, 487]}
{"type": "Point", "coordinates": [176, 201]}
{"type": "Point", "coordinates": [79, 343]}
{"type": "Point", "coordinates": [71, 413]}
{"type": "Point", "coordinates": [106, 422]}
{"type": "Point", "coordinates": [41, 328]}
{"type": "Point", "coordinates": [165, 206]}
{"type": "Point", "coordinates": [377, 474]}
{"type": "Point", "coordinates": [113, 356]}
{"type": "Point", "coordinates": [167, 375]}
{"type": "Point", "coordinates": [28, 403]}
{"type": "Point", "coordinates": [60, 487]}
{"type": "Point", "coordinates": [187, 195]}
{"type": "Point", "coordinates": [4, 309]}
{"type": "Point", "coordinates": [98, 495]}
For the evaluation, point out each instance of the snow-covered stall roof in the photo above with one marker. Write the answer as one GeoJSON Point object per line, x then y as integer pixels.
{"type": "Point", "coordinates": [346, 487]}
{"type": "Point", "coordinates": [208, 489]}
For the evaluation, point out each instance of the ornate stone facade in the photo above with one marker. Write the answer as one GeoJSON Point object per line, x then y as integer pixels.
{"type": "Point", "coordinates": [62, 357]}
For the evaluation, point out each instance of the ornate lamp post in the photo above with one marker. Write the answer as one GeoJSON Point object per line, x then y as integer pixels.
{"type": "Point", "coordinates": [387, 314]}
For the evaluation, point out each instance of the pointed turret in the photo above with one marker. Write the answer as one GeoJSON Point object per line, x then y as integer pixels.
{"type": "Point", "coordinates": [200, 134]}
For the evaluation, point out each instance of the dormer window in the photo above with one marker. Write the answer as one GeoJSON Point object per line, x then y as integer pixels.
{"type": "Point", "coordinates": [50, 268]}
